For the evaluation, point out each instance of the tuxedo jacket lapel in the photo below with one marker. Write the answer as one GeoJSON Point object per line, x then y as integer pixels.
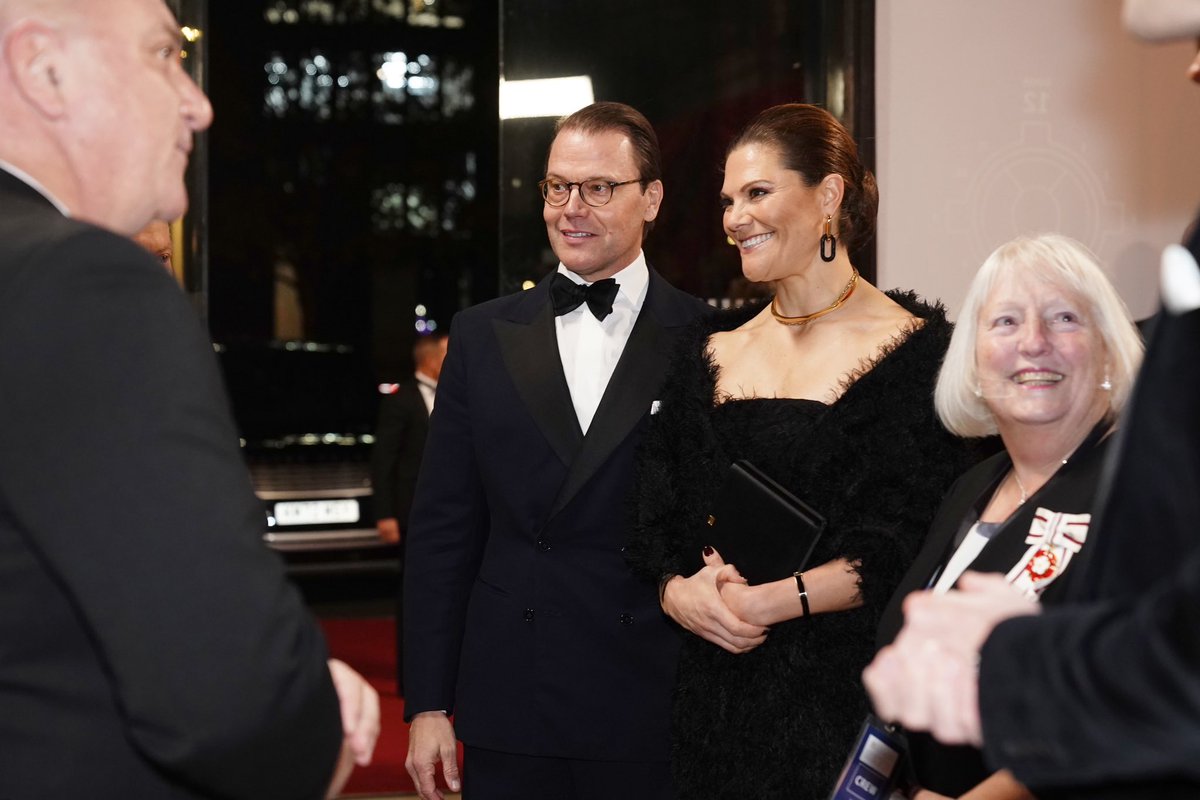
{"type": "Point", "coordinates": [529, 347]}
{"type": "Point", "coordinates": [954, 519]}
{"type": "Point", "coordinates": [633, 386]}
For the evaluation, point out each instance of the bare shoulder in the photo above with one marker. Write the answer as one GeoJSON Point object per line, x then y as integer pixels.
{"type": "Point", "coordinates": [883, 320]}
{"type": "Point", "coordinates": [724, 347]}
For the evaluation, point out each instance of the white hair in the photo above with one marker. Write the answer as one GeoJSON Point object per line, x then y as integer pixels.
{"type": "Point", "coordinates": [1064, 262]}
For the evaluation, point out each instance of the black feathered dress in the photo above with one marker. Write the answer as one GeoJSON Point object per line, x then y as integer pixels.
{"type": "Point", "coordinates": [778, 722]}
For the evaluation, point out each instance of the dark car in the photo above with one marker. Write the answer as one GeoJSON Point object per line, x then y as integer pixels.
{"type": "Point", "coordinates": [305, 412]}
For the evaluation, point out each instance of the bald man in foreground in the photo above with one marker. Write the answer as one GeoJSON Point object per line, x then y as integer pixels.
{"type": "Point", "coordinates": [150, 646]}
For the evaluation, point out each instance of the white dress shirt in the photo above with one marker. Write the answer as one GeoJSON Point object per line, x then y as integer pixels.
{"type": "Point", "coordinates": [1180, 280]}
{"type": "Point", "coordinates": [427, 386]}
{"type": "Point", "coordinates": [589, 348]}
{"type": "Point", "coordinates": [34, 184]}
{"type": "Point", "coordinates": [977, 538]}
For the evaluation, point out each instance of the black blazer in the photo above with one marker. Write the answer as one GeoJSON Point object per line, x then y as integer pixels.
{"type": "Point", "coordinates": [396, 455]}
{"type": "Point", "coordinates": [520, 613]}
{"type": "Point", "coordinates": [1101, 698]}
{"type": "Point", "coordinates": [149, 644]}
{"type": "Point", "coordinates": [954, 770]}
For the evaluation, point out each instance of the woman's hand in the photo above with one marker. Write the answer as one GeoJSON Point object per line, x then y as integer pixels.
{"type": "Point", "coordinates": [696, 604]}
{"type": "Point", "coordinates": [831, 587]}
{"type": "Point", "coordinates": [745, 601]}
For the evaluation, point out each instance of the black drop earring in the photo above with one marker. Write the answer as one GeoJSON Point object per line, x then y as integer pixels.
{"type": "Point", "coordinates": [828, 241]}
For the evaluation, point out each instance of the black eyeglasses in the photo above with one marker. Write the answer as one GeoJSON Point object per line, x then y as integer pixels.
{"type": "Point", "coordinates": [593, 191]}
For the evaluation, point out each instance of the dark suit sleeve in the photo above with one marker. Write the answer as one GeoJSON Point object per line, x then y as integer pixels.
{"type": "Point", "coordinates": [1098, 693]}
{"type": "Point", "coordinates": [447, 532]}
{"type": "Point", "coordinates": [389, 435]}
{"type": "Point", "coordinates": [120, 464]}
{"type": "Point", "coordinates": [396, 456]}
{"type": "Point", "coordinates": [408, 462]}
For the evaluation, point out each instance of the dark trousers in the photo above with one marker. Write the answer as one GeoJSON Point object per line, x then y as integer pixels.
{"type": "Point", "coordinates": [492, 775]}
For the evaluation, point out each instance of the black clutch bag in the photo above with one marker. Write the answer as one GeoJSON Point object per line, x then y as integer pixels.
{"type": "Point", "coordinates": [760, 527]}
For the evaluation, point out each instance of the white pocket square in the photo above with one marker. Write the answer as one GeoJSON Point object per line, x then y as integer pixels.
{"type": "Point", "coordinates": [654, 406]}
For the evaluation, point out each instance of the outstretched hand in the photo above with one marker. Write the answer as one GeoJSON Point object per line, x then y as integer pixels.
{"type": "Point", "coordinates": [928, 680]}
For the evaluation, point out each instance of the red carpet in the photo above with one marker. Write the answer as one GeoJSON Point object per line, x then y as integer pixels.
{"type": "Point", "coordinates": [369, 645]}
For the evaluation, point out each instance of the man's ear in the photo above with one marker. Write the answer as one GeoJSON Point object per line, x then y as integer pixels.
{"type": "Point", "coordinates": [654, 191]}
{"type": "Point", "coordinates": [33, 55]}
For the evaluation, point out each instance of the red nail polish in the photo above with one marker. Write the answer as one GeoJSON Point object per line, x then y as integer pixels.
{"type": "Point", "coordinates": [708, 551]}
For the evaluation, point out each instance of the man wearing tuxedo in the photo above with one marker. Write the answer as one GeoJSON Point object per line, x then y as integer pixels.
{"type": "Point", "coordinates": [400, 433]}
{"type": "Point", "coordinates": [521, 617]}
{"type": "Point", "coordinates": [150, 645]}
{"type": "Point", "coordinates": [1099, 698]}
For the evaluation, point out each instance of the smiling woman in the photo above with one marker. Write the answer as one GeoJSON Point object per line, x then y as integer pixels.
{"type": "Point", "coordinates": [827, 390]}
{"type": "Point", "coordinates": [1045, 354]}
{"type": "Point", "coordinates": [1039, 357]}
{"type": "Point", "coordinates": [1034, 297]}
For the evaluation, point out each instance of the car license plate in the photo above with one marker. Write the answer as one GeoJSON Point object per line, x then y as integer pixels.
{"type": "Point", "coordinates": [316, 512]}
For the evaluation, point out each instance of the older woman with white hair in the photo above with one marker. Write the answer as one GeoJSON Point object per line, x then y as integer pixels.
{"type": "Point", "coordinates": [1045, 355]}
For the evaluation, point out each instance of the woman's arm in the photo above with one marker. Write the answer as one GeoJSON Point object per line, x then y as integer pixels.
{"type": "Point", "coordinates": [833, 586]}
{"type": "Point", "coordinates": [696, 603]}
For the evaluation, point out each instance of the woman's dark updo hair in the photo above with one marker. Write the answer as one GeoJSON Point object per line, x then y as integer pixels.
{"type": "Point", "coordinates": [812, 142]}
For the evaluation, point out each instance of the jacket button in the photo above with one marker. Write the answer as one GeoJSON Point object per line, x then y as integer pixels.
{"type": "Point", "coordinates": [528, 615]}
{"type": "Point", "coordinates": [625, 619]}
{"type": "Point", "coordinates": [543, 545]}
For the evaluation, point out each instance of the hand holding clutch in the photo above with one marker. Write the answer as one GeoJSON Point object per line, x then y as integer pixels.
{"type": "Point", "coordinates": [760, 527]}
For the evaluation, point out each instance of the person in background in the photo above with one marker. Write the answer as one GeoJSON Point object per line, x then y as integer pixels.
{"type": "Point", "coordinates": [1044, 354]}
{"type": "Point", "coordinates": [521, 617]}
{"type": "Point", "coordinates": [400, 435]}
{"type": "Point", "coordinates": [156, 239]}
{"type": "Point", "coordinates": [1097, 698]}
{"type": "Point", "coordinates": [150, 645]}
{"type": "Point", "coordinates": [828, 389]}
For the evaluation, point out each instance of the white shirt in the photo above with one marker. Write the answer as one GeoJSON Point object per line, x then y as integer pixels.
{"type": "Point", "coordinates": [34, 184]}
{"type": "Point", "coordinates": [589, 348]}
{"type": "Point", "coordinates": [977, 538]}
{"type": "Point", "coordinates": [428, 388]}
{"type": "Point", "coordinates": [1180, 280]}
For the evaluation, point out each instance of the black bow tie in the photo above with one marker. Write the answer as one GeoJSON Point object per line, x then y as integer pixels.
{"type": "Point", "coordinates": [567, 295]}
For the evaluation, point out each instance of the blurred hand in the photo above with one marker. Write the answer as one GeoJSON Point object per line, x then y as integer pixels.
{"type": "Point", "coordinates": [928, 679]}
{"type": "Point", "coordinates": [430, 741]}
{"type": "Point", "coordinates": [389, 530]}
{"type": "Point", "coordinates": [359, 704]}
{"type": "Point", "coordinates": [696, 604]}
{"type": "Point", "coordinates": [360, 710]}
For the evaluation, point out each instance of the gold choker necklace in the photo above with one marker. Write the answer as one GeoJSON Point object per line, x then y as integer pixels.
{"type": "Point", "coordinates": [807, 318]}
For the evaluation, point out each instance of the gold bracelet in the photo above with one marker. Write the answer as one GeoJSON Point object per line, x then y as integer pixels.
{"type": "Point", "coordinates": [799, 576]}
